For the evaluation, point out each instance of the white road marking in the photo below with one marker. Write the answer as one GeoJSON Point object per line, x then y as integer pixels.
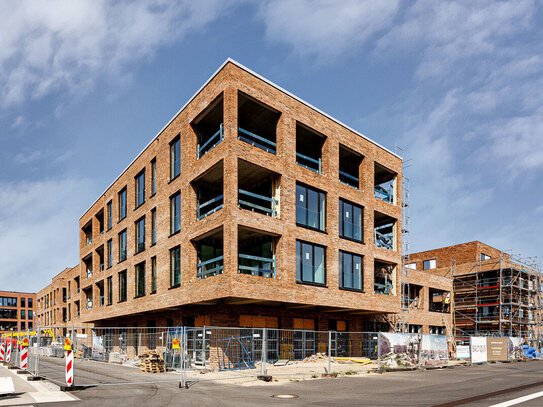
{"type": "Point", "coordinates": [519, 400]}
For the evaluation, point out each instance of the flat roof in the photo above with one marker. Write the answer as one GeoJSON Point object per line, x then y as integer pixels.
{"type": "Point", "coordinates": [234, 62]}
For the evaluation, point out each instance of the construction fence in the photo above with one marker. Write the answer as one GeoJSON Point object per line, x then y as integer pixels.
{"type": "Point", "coordinates": [125, 355]}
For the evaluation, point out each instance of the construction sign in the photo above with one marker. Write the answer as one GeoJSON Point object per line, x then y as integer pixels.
{"type": "Point", "coordinates": [67, 344]}
{"type": "Point", "coordinates": [25, 343]}
{"type": "Point", "coordinates": [175, 343]}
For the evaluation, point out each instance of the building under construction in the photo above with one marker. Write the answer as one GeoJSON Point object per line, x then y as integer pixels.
{"type": "Point", "coordinates": [495, 293]}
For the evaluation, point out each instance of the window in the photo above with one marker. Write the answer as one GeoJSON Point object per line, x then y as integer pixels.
{"type": "Point", "coordinates": [23, 325]}
{"type": "Point", "coordinates": [412, 266]}
{"type": "Point", "coordinates": [122, 246]}
{"type": "Point", "coordinates": [23, 316]}
{"type": "Point", "coordinates": [351, 220]}
{"type": "Point", "coordinates": [350, 271]}
{"type": "Point", "coordinates": [140, 279]}
{"type": "Point", "coordinates": [140, 188]}
{"type": "Point", "coordinates": [310, 263]}
{"type": "Point", "coordinates": [429, 264]}
{"type": "Point", "coordinates": [109, 210]}
{"type": "Point", "coordinates": [30, 314]}
{"type": "Point", "coordinates": [485, 256]}
{"type": "Point", "coordinates": [310, 207]}
{"type": "Point", "coordinates": [153, 226]}
{"type": "Point", "coordinates": [175, 213]}
{"type": "Point", "coordinates": [30, 304]}
{"type": "Point", "coordinates": [153, 275]}
{"type": "Point", "coordinates": [140, 235]}
{"type": "Point", "coordinates": [175, 266]}
{"type": "Point", "coordinates": [109, 290]}
{"type": "Point", "coordinates": [23, 302]}
{"type": "Point", "coordinates": [109, 253]}
{"type": "Point", "coordinates": [122, 286]}
{"type": "Point", "coordinates": [122, 204]}
{"type": "Point", "coordinates": [175, 158]}
{"type": "Point", "coordinates": [153, 176]}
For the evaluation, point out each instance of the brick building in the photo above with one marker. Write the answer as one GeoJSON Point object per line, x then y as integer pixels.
{"type": "Point", "coordinates": [17, 311]}
{"type": "Point", "coordinates": [494, 293]}
{"type": "Point", "coordinates": [249, 208]}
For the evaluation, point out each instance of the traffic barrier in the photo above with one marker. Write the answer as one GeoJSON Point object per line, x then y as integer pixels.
{"type": "Point", "coordinates": [2, 351]}
{"type": "Point", "coordinates": [24, 354]}
{"type": "Point", "coordinates": [8, 353]}
{"type": "Point", "coordinates": [69, 362]}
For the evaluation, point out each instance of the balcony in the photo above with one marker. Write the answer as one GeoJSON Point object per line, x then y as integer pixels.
{"type": "Point", "coordinates": [258, 189]}
{"type": "Point", "coordinates": [309, 144]}
{"type": "Point", "coordinates": [87, 233]}
{"type": "Point", "coordinates": [209, 191]}
{"type": "Point", "coordinates": [257, 123]}
{"type": "Point", "coordinates": [384, 277]}
{"type": "Point", "coordinates": [349, 167]}
{"type": "Point", "coordinates": [209, 250]}
{"type": "Point", "coordinates": [384, 227]}
{"type": "Point", "coordinates": [208, 127]}
{"type": "Point", "coordinates": [384, 184]}
{"type": "Point", "coordinates": [256, 253]}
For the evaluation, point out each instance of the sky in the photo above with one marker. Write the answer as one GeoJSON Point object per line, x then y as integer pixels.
{"type": "Point", "coordinates": [85, 85]}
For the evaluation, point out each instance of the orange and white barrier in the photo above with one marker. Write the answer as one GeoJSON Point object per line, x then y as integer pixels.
{"type": "Point", "coordinates": [69, 362]}
{"type": "Point", "coordinates": [8, 352]}
{"type": "Point", "coordinates": [2, 351]}
{"type": "Point", "coordinates": [24, 354]}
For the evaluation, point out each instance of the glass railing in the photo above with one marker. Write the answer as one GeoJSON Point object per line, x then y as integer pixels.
{"type": "Point", "coordinates": [211, 142]}
{"type": "Point", "coordinates": [313, 164]}
{"type": "Point", "coordinates": [351, 230]}
{"type": "Point", "coordinates": [210, 267]}
{"type": "Point", "coordinates": [256, 266]}
{"type": "Point", "coordinates": [384, 194]}
{"type": "Point", "coordinates": [257, 203]}
{"type": "Point", "coordinates": [257, 140]}
{"type": "Point", "coordinates": [309, 218]}
{"type": "Point", "coordinates": [209, 207]}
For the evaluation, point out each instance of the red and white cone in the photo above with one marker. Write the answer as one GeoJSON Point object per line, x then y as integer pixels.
{"type": "Point", "coordinates": [69, 368]}
{"type": "Point", "coordinates": [8, 353]}
{"type": "Point", "coordinates": [2, 351]}
{"type": "Point", "coordinates": [24, 358]}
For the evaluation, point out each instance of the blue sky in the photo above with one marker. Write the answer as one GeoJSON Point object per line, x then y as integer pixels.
{"type": "Point", "coordinates": [85, 85]}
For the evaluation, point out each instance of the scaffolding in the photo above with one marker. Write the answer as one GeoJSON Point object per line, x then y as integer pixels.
{"type": "Point", "coordinates": [497, 297]}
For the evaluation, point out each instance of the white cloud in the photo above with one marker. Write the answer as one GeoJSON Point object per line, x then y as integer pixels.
{"type": "Point", "coordinates": [39, 224]}
{"type": "Point", "coordinates": [325, 29]}
{"type": "Point", "coordinates": [67, 45]}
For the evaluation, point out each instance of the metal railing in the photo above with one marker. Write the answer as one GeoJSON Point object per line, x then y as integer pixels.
{"type": "Point", "coordinates": [210, 267]}
{"type": "Point", "coordinates": [257, 207]}
{"type": "Point", "coordinates": [257, 141]}
{"type": "Point", "coordinates": [384, 240]}
{"type": "Point", "coordinates": [211, 142]}
{"type": "Point", "coordinates": [383, 194]}
{"type": "Point", "coordinates": [201, 214]}
{"type": "Point", "coordinates": [309, 162]}
{"type": "Point", "coordinates": [349, 179]}
{"type": "Point", "coordinates": [256, 266]}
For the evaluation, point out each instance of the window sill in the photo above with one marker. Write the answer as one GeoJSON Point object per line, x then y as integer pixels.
{"type": "Point", "coordinates": [352, 240]}
{"type": "Point", "coordinates": [152, 195]}
{"type": "Point", "coordinates": [311, 228]}
{"type": "Point", "coordinates": [121, 261]}
{"type": "Point", "coordinates": [152, 292]}
{"type": "Point", "coordinates": [174, 286]}
{"type": "Point", "coordinates": [356, 290]}
{"type": "Point", "coordinates": [152, 244]}
{"type": "Point", "coordinates": [139, 296]}
{"type": "Point", "coordinates": [139, 206]}
{"type": "Point", "coordinates": [312, 284]}
{"type": "Point", "coordinates": [120, 220]}
{"type": "Point", "coordinates": [138, 252]}
{"type": "Point", "coordinates": [174, 178]}
{"type": "Point", "coordinates": [174, 233]}
{"type": "Point", "coordinates": [118, 302]}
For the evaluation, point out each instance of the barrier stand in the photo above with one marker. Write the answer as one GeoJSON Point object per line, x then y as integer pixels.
{"type": "Point", "coordinates": [176, 347]}
{"type": "Point", "coordinates": [264, 353]}
{"type": "Point", "coordinates": [24, 354]}
{"type": "Point", "coordinates": [2, 350]}
{"type": "Point", "coordinates": [8, 352]}
{"type": "Point", "coordinates": [69, 362]}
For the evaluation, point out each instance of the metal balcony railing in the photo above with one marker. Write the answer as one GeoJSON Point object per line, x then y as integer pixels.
{"type": "Point", "coordinates": [257, 140]}
{"type": "Point", "coordinates": [385, 289]}
{"type": "Point", "coordinates": [210, 267]}
{"type": "Point", "coordinates": [384, 240]}
{"type": "Point", "coordinates": [312, 164]}
{"type": "Point", "coordinates": [261, 200]}
{"type": "Point", "coordinates": [211, 142]}
{"type": "Point", "coordinates": [349, 179]}
{"type": "Point", "coordinates": [384, 194]}
{"type": "Point", "coordinates": [218, 204]}
{"type": "Point", "coordinates": [256, 266]}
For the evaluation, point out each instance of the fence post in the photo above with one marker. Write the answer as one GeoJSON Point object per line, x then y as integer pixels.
{"type": "Point", "coordinates": [264, 351]}
{"type": "Point", "coordinates": [204, 347]}
{"type": "Point", "coordinates": [329, 352]}
{"type": "Point", "coordinates": [37, 351]}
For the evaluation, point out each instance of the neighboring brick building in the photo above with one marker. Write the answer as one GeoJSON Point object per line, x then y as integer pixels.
{"type": "Point", "coordinates": [17, 311]}
{"type": "Point", "coordinates": [250, 208]}
{"type": "Point", "coordinates": [494, 293]}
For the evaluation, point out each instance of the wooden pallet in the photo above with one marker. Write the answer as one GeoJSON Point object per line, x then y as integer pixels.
{"type": "Point", "coordinates": [149, 366]}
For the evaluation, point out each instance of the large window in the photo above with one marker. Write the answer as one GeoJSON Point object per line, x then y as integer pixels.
{"type": "Point", "coordinates": [310, 207]}
{"type": "Point", "coordinates": [153, 226]}
{"type": "Point", "coordinates": [310, 263]}
{"type": "Point", "coordinates": [140, 188]}
{"type": "Point", "coordinates": [429, 264]}
{"type": "Point", "coordinates": [350, 271]}
{"type": "Point", "coordinates": [175, 266]}
{"type": "Point", "coordinates": [140, 235]}
{"type": "Point", "coordinates": [109, 290]}
{"type": "Point", "coordinates": [8, 301]}
{"type": "Point", "coordinates": [122, 204]}
{"type": "Point", "coordinates": [175, 213]}
{"type": "Point", "coordinates": [351, 219]}
{"type": "Point", "coordinates": [140, 279]}
{"type": "Point", "coordinates": [153, 176]}
{"type": "Point", "coordinates": [122, 286]}
{"type": "Point", "coordinates": [122, 246]}
{"type": "Point", "coordinates": [175, 157]}
{"type": "Point", "coordinates": [109, 210]}
{"type": "Point", "coordinates": [109, 253]}
{"type": "Point", "coordinates": [153, 275]}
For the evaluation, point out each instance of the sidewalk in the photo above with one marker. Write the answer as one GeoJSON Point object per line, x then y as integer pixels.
{"type": "Point", "coordinates": [31, 392]}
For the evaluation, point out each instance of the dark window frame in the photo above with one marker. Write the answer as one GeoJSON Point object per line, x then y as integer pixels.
{"type": "Point", "coordinates": [153, 176]}
{"type": "Point", "coordinates": [173, 224]}
{"type": "Point", "coordinates": [122, 197]}
{"type": "Point", "coordinates": [173, 281]}
{"type": "Point", "coordinates": [341, 220]}
{"type": "Point", "coordinates": [321, 211]}
{"type": "Point", "coordinates": [342, 286]}
{"type": "Point", "coordinates": [299, 262]}
{"type": "Point", "coordinates": [139, 291]}
{"type": "Point", "coordinates": [139, 189]}
{"type": "Point", "coordinates": [138, 235]}
{"type": "Point", "coordinates": [123, 233]}
{"type": "Point", "coordinates": [175, 165]}
{"type": "Point", "coordinates": [123, 283]}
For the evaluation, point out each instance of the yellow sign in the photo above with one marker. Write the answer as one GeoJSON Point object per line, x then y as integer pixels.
{"type": "Point", "coordinates": [175, 343]}
{"type": "Point", "coordinates": [67, 344]}
{"type": "Point", "coordinates": [25, 343]}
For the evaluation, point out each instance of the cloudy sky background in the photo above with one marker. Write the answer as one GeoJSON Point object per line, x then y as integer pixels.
{"type": "Point", "coordinates": [85, 85]}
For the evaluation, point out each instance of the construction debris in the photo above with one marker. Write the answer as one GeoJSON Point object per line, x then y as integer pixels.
{"type": "Point", "coordinates": [152, 362]}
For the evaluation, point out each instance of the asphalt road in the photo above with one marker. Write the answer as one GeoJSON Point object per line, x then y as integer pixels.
{"type": "Point", "coordinates": [443, 387]}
